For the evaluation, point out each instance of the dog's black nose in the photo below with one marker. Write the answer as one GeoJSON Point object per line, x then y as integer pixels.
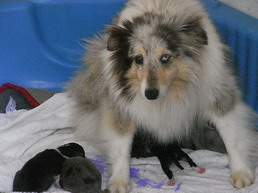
{"type": "Point", "coordinates": [151, 94]}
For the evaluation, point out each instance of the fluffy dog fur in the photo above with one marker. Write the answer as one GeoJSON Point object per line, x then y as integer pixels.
{"type": "Point", "coordinates": [161, 66]}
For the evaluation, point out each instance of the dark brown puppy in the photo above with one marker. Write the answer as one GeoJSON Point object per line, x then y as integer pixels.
{"type": "Point", "coordinates": [38, 174]}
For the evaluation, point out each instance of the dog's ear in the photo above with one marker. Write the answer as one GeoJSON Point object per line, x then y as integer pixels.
{"type": "Point", "coordinates": [193, 30]}
{"type": "Point", "coordinates": [118, 36]}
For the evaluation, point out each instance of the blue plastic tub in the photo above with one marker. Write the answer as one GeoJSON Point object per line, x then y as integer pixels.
{"type": "Point", "coordinates": [41, 40]}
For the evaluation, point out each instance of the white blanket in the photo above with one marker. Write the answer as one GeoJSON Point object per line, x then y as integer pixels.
{"type": "Point", "coordinates": [25, 133]}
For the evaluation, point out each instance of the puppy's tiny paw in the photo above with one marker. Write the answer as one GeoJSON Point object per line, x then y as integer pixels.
{"type": "Point", "coordinates": [119, 186]}
{"type": "Point", "coordinates": [241, 179]}
{"type": "Point", "coordinates": [171, 182]}
{"type": "Point", "coordinates": [200, 170]}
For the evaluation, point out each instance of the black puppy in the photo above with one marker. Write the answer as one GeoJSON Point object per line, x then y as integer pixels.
{"type": "Point", "coordinates": [38, 174]}
{"type": "Point", "coordinates": [144, 145]}
{"type": "Point", "coordinates": [80, 175]}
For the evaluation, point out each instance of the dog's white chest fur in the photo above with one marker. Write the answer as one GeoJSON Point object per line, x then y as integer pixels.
{"type": "Point", "coordinates": [164, 120]}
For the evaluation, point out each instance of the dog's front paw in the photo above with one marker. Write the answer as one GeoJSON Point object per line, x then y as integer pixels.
{"type": "Point", "coordinates": [241, 179]}
{"type": "Point", "coordinates": [119, 186]}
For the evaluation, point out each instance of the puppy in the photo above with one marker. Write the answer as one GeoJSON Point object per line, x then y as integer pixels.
{"type": "Point", "coordinates": [38, 174]}
{"type": "Point", "coordinates": [144, 145]}
{"type": "Point", "coordinates": [80, 175]}
{"type": "Point", "coordinates": [161, 65]}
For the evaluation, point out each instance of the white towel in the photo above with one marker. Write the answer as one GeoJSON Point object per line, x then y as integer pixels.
{"type": "Point", "coordinates": [23, 134]}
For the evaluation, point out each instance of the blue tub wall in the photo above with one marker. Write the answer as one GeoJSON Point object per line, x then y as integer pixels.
{"type": "Point", "coordinates": [240, 33]}
{"type": "Point", "coordinates": [41, 40]}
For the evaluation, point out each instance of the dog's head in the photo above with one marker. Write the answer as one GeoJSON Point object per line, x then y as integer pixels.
{"type": "Point", "coordinates": [155, 55]}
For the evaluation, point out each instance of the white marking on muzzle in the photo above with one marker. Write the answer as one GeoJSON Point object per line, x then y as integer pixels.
{"type": "Point", "coordinates": [143, 88]}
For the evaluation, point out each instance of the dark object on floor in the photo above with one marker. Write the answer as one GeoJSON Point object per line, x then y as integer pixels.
{"type": "Point", "coordinates": [144, 145]}
{"type": "Point", "coordinates": [80, 175]}
{"type": "Point", "coordinates": [41, 95]}
{"type": "Point", "coordinates": [37, 175]}
{"type": "Point", "coordinates": [13, 97]}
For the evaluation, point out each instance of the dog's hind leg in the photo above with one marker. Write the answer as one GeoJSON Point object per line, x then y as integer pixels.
{"type": "Point", "coordinates": [235, 128]}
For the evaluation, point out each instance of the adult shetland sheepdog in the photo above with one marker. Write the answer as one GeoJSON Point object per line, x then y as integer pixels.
{"type": "Point", "coordinates": [161, 66]}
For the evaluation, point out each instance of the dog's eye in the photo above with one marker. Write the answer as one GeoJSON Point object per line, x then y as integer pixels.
{"type": "Point", "coordinates": [165, 58]}
{"type": "Point", "coordinates": [138, 59]}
